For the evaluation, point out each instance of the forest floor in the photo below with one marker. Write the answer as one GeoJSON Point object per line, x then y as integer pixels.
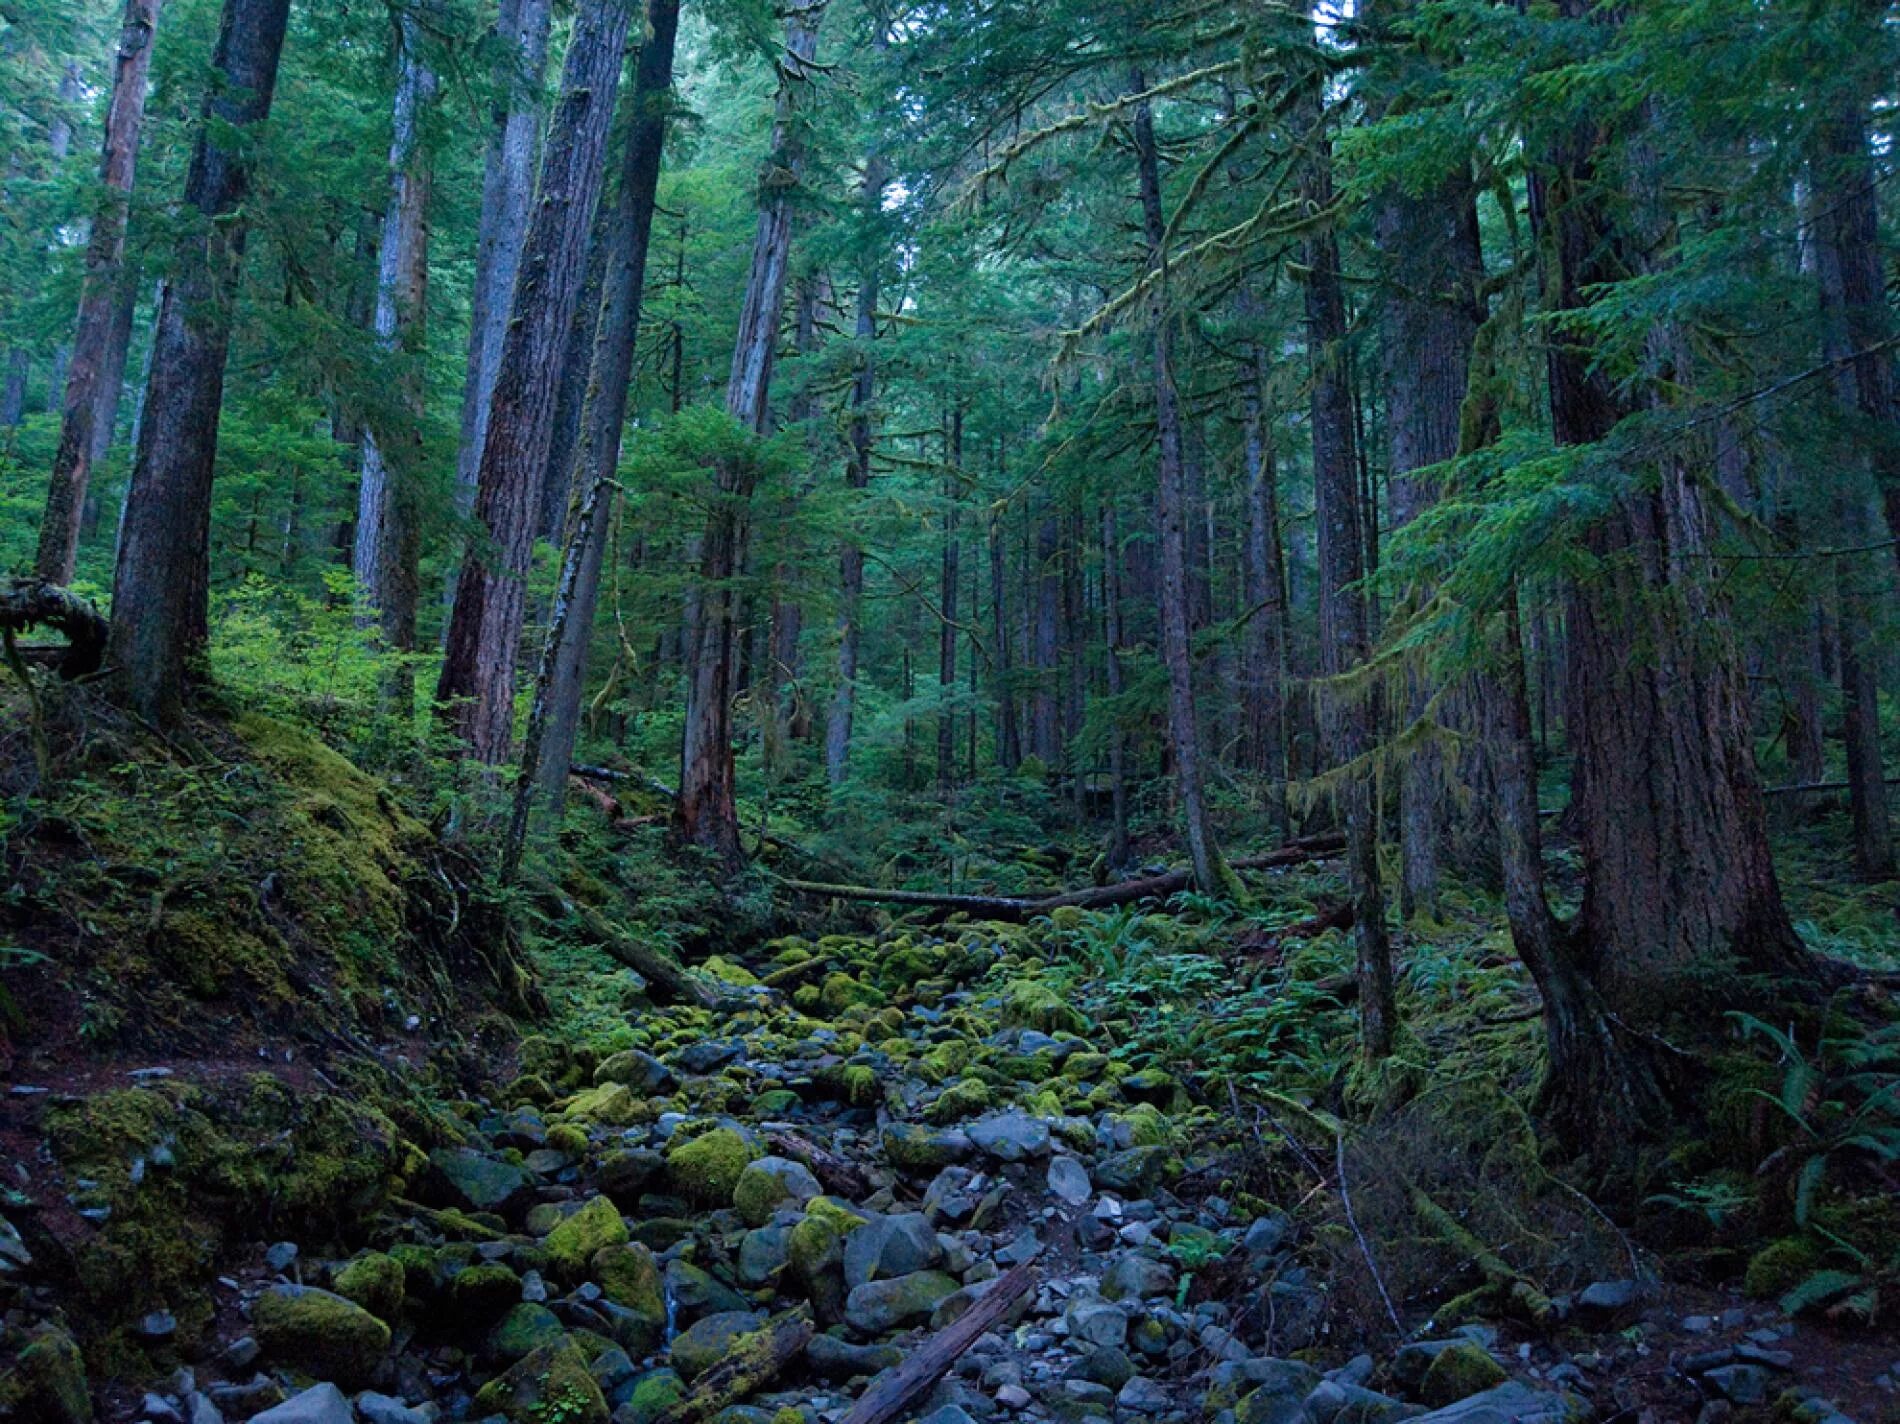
{"type": "Point", "coordinates": [1136, 1134]}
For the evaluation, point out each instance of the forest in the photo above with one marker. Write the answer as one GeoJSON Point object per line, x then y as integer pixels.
{"type": "Point", "coordinates": [853, 711]}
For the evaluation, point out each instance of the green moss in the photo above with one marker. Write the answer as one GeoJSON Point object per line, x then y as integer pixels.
{"type": "Point", "coordinates": [526, 1327]}
{"type": "Point", "coordinates": [611, 1104]}
{"type": "Point", "coordinates": [728, 971]}
{"type": "Point", "coordinates": [575, 1242]}
{"type": "Point", "coordinates": [963, 1099]}
{"type": "Point", "coordinates": [840, 992]}
{"type": "Point", "coordinates": [708, 1168]}
{"type": "Point", "coordinates": [320, 1333]}
{"type": "Point", "coordinates": [652, 1396]}
{"type": "Point", "coordinates": [1781, 1266]}
{"type": "Point", "coordinates": [48, 1382]}
{"type": "Point", "coordinates": [1030, 1003]}
{"type": "Point", "coordinates": [1147, 1126]}
{"type": "Point", "coordinates": [374, 1281]}
{"type": "Point", "coordinates": [1459, 1372]}
{"type": "Point", "coordinates": [483, 1293]}
{"type": "Point", "coordinates": [552, 1385]}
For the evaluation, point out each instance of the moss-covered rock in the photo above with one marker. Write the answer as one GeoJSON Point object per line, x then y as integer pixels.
{"type": "Point", "coordinates": [552, 1385]}
{"type": "Point", "coordinates": [47, 1384]}
{"type": "Point", "coordinates": [482, 1293]}
{"type": "Point", "coordinates": [630, 1278]}
{"type": "Point", "coordinates": [706, 1342]}
{"type": "Point", "coordinates": [579, 1238]}
{"type": "Point", "coordinates": [374, 1281]}
{"type": "Point", "coordinates": [918, 1150]}
{"type": "Point", "coordinates": [526, 1327]}
{"type": "Point", "coordinates": [1781, 1266]}
{"type": "Point", "coordinates": [611, 1104]}
{"type": "Point", "coordinates": [652, 1395]}
{"type": "Point", "coordinates": [1030, 1003]}
{"type": "Point", "coordinates": [320, 1333]}
{"type": "Point", "coordinates": [1459, 1372]}
{"type": "Point", "coordinates": [770, 1183]}
{"type": "Point", "coordinates": [707, 1169]}
{"type": "Point", "coordinates": [963, 1099]}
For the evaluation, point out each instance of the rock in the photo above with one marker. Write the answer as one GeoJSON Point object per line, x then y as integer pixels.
{"type": "Point", "coordinates": [582, 1236]}
{"type": "Point", "coordinates": [280, 1256]}
{"type": "Point", "coordinates": [1010, 1136]}
{"type": "Point", "coordinates": [242, 1353]}
{"type": "Point", "coordinates": [160, 1410]}
{"type": "Point", "coordinates": [1740, 1383]}
{"type": "Point", "coordinates": [707, 1169]}
{"type": "Point", "coordinates": [707, 1342]}
{"type": "Point", "coordinates": [526, 1328]}
{"type": "Point", "coordinates": [1134, 1173]}
{"type": "Point", "coordinates": [1458, 1373]}
{"type": "Point", "coordinates": [376, 1408]}
{"type": "Point", "coordinates": [770, 1183]}
{"type": "Point", "coordinates": [948, 1414]}
{"type": "Point", "coordinates": [708, 1055]}
{"type": "Point", "coordinates": [1144, 1396]}
{"type": "Point", "coordinates": [630, 1279]}
{"type": "Point", "coordinates": [320, 1333]}
{"type": "Point", "coordinates": [482, 1293]}
{"type": "Point", "coordinates": [888, 1246]}
{"type": "Point", "coordinates": [375, 1282]}
{"type": "Point", "coordinates": [840, 1359]}
{"type": "Point", "coordinates": [1335, 1403]}
{"type": "Point", "coordinates": [1511, 1403]}
{"type": "Point", "coordinates": [878, 1306]}
{"type": "Point", "coordinates": [553, 1383]}
{"type": "Point", "coordinates": [763, 1253]}
{"type": "Point", "coordinates": [320, 1404]}
{"type": "Point", "coordinates": [642, 1072]}
{"type": "Point", "coordinates": [1266, 1234]}
{"type": "Point", "coordinates": [48, 1382]}
{"type": "Point", "coordinates": [1096, 1322]}
{"type": "Point", "coordinates": [250, 1399]}
{"type": "Point", "coordinates": [1086, 1394]}
{"type": "Point", "coordinates": [1014, 1396]}
{"type": "Point", "coordinates": [1604, 1301]}
{"type": "Point", "coordinates": [695, 1293]}
{"type": "Point", "coordinates": [623, 1176]}
{"type": "Point", "coordinates": [953, 1307]}
{"type": "Point", "coordinates": [1138, 1277]}
{"type": "Point", "coordinates": [1106, 1365]}
{"type": "Point", "coordinates": [1069, 1181]}
{"type": "Point", "coordinates": [917, 1150]}
{"type": "Point", "coordinates": [481, 1183]}
{"type": "Point", "coordinates": [157, 1325]}
{"type": "Point", "coordinates": [651, 1396]}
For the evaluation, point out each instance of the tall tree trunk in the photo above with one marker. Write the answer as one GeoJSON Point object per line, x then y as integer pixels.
{"type": "Point", "coordinates": [949, 593]}
{"type": "Point", "coordinates": [1009, 745]}
{"type": "Point", "coordinates": [791, 716]}
{"type": "Point", "coordinates": [706, 813]}
{"type": "Point", "coordinates": [476, 691]}
{"type": "Point", "coordinates": [387, 554]}
{"type": "Point", "coordinates": [858, 466]}
{"type": "Point", "coordinates": [570, 631]}
{"type": "Point", "coordinates": [1211, 873]}
{"type": "Point", "coordinates": [159, 613]}
{"type": "Point", "coordinates": [1343, 640]}
{"type": "Point", "coordinates": [577, 369]}
{"type": "Point", "coordinates": [1118, 853]}
{"type": "Point", "coordinates": [1433, 268]}
{"type": "Point", "coordinates": [1678, 875]}
{"type": "Point", "coordinates": [1263, 583]}
{"type": "Point", "coordinates": [111, 381]}
{"type": "Point", "coordinates": [508, 169]}
{"type": "Point", "coordinates": [92, 370]}
{"type": "Point", "coordinates": [1045, 707]}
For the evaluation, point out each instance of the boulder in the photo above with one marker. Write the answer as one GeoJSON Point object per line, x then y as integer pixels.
{"type": "Point", "coordinates": [478, 1183]}
{"type": "Point", "coordinates": [1069, 1181]}
{"type": "Point", "coordinates": [918, 1150]}
{"type": "Point", "coordinates": [48, 1381]}
{"type": "Point", "coordinates": [375, 1282]}
{"type": "Point", "coordinates": [888, 1246]}
{"type": "Point", "coordinates": [1511, 1403]}
{"type": "Point", "coordinates": [320, 1333]}
{"type": "Point", "coordinates": [1138, 1277]}
{"type": "Point", "coordinates": [840, 1359]}
{"type": "Point", "coordinates": [1134, 1173]}
{"type": "Point", "coordinates": [320, 1404]}
{"type": "Point", "coordinates": [770, 1183]}
{"type": "Point", "coordinates": [551, 1383]}
{"type": "Point", "coordinates": [877, 1306]}
{"type": "Point", "coordinates": [708, 1341]}
{"type": "Point", "coordinates": [582, 1236]}
{"type": "Point", "coordinates": [1010, 1136]}
{"type": "Point", "coordinates": [1459, 1372]}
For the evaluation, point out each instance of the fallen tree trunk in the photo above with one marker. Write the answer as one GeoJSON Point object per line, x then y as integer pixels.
{"type": "Point", "coordinates": [1097, 897]}
{"type": "Point", "coordinates": [894, 1392]}
{"type": "Point", "coordinates": [30, 603]}
{"type": "Point", "coordinates": [667, 981]}
{"type": "Point", "coordinates": [839, 1177]}
{"type": "Point", "coordinates": [756, 1360]}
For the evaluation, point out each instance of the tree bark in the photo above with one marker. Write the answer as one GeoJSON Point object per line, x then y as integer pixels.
{"type": "Point", "coordinates": [159, 613]}
{"type": "Point", "coordinates": [476, 692]}
{"type": "Point", "coordinates": [1263, 569]}
{"type": "Point", "coordinates": [386, 557]}
{"type": "Point", "coordinates": [1118, 852]}
{"type": "Point", "coordinates": [1210, 870]}
{"type": "Point", "coordinates": [93, 372]}
{"type": "Point", "coordinates": [570, 631]}
{"type": "Point", "coordinates": [858, 466]}
{"type": "Point", "coordinates": [1009, 744]}
{"type": "Point", "coordinates": [1343, 640]}
{"type": "Point", "coordinates": [948, 595]}
{"type": "Point", "coordinates": [707, 813]}
{"type": "Point", "coordinates": [508, 167]}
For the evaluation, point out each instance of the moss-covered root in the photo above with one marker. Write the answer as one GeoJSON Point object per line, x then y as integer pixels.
{"type": "Point", "coordinates": [1503, 1290]}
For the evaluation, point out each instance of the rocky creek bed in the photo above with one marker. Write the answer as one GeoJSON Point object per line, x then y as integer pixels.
{"type": "Point", "coordinates": [766, 1215]}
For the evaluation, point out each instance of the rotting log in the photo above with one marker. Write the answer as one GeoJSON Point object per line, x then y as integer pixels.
{"type": "Point", "coordinates": [755, 1360]}
{"type": "Point", "coordinates": [892, 1393]}
{"type": "Point", "coordinates": [667, 981]}
{"type": "Point", "coordinates": [32, 603]}
{"type": "Point", "coordinates": [1099, 897]}
{"type": "Point", "coordinates": [839, 1177]}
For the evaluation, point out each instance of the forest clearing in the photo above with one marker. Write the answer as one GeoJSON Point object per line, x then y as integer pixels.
{"type": "Point", "coordinates": [841, 712]}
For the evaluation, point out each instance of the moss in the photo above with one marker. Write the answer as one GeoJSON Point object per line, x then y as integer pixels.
{"type": "Point", "coordinates": [728, 971]}
{"type": "Point", "coordinates": [775, 1103]}
{"type": "Point", "coordinates": [526, 1327]}
{"type": "Point", "coordinates": [575, 1242]}
{"type": "Point", "coordinates": [374, 1281]}
{"type": "Point", "coordinates": [789, 1415]}
{"type": "Point", "coordinates": [840, 992]}
{"type": "Point", "coordinates": [1085, 1067]}
{"type": "Point", "coordinates": [565, 1137]}
{"type": "Point", "coordinates": [1781, 1266]}
{"type": "Point", "coordinates": [483, 1293]}
{"type": "Point", "coordinates": [963, 1099]}
{"type": "Point", "coordinates": [1459, 1372]}
{"type": "Point", "coordinates": [48, 1382]}
{"type": "Point", "coordinates": [708, 1168]}
{"type": "Point", "coordinates": [652, 1396]}
{"type": "Point", "coordinates": [611, 1104]}
{"type": "Point", "coordinates": [1030, 1003]}
{"type": "Point", "coordinates": [320, 1333]}
{"type": "Point", "coordinates": [860, 1084]}
{"type": "Point", "coordinates": [1147, 1126]}
{"type": "Point", "coordinates": [552, 1385]}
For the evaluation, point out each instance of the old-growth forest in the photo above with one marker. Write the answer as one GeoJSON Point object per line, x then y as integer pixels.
{"type": "Point", "coordinates": [851, 711]}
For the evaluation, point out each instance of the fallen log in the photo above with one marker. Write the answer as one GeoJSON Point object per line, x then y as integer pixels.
{"type": "Point", "coordinates": [668, 982]}
{"type": "Point", "coordinates": [839, 1177]}
{"type": "Point", "coordinates": [755, 1361]}
{"type": "Point", "coordinates": [29, 603]}
{"type": "Point", "coordinates": [893, 1392]}
{"type": "Point", "coordinates": [1097, 897]}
